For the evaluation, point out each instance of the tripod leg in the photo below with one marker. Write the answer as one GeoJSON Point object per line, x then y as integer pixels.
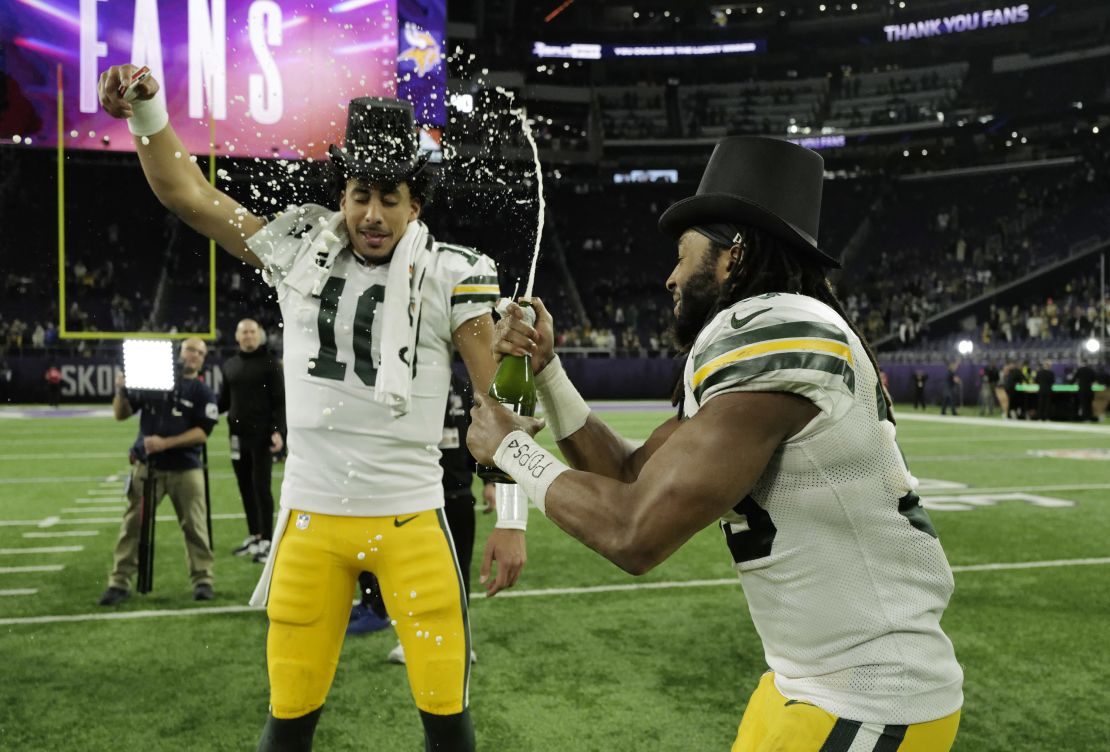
{"type": "Point", "coordinates": [146, 533]}
{"type": "Point", "coordinates": [207, 496]}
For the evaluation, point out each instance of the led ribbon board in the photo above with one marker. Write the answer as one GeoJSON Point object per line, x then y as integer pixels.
{"type": "Point", "coordinates": [956, 24]}
{"type": "Point", "coordinates": [274, 76]}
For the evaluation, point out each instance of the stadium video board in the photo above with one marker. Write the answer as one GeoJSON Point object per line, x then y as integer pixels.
{"type": "Point", "coordinates": [274, 75]}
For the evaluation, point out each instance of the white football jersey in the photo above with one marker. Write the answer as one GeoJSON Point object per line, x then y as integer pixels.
{"type": "Point", "coordinates": [348, 455]}
{"type": "Point", "coordinates": [844, 575]}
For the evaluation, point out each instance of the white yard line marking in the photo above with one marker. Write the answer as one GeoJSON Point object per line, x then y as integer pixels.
{"type": "Point", "coordinates": [102, 520]}
{"type": "Point", "coordinates": [60, 456]}
{"type": "Point", "coordinates": [33, 568]}
{"type": "Point", "coordinates": [98, 500]}
{"type": "Point", "coordinates": [18, 591]}
{"type": "Point", "coordinates": [1023, 489]}
{"type": "Point", "coordinates": [1029, 425]}
{"type": "Point", "coordinates": [48, 479]}
{"type": "Point", "coordinates": [1030, 565]}
{"type": "Point", "coordinates": [42, 550]}
{"type": "Point", "coordinates": [105, 491]}
{"type": "Point", "coordinates": [986, 439]}
{"type": "Point", "coordinates": [728, 581]}
{"type": "Point", "coordinates": [89, 510]}
{"type": "Point", "coordinates": [63, 534]}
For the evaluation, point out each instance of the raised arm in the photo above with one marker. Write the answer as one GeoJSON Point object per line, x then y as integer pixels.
{"type": "Point", "coordinates": [177, 182]}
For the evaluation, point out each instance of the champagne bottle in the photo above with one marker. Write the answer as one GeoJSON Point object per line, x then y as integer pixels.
{"type": "Point", "coordinates": [514, 386]}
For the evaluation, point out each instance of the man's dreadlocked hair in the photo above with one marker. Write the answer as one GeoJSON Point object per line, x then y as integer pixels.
{"type": "Point", "coordinates": [766, 265]}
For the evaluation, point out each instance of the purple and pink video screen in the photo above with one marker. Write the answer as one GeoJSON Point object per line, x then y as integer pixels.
{"type": "Point", "coordinates": [273, 77]}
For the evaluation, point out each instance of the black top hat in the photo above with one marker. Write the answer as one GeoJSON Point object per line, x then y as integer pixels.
{"type": "Point", "coordinates": [381, 143]}
{"type": "Point", "coordinates": [764, 182]}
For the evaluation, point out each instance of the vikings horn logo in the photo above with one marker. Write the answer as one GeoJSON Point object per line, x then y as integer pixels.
{"type": "Point", "coordinates": [422, 51]}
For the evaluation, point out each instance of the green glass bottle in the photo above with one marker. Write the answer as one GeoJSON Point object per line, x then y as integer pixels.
{"type": "Point", "coordinates": [514, 386]}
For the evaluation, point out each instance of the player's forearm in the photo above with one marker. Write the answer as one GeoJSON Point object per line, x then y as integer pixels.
{"type": "Point", "coordinates": [176, 180]}
{"type": "Point", "coordinates": [609, 516]}
{"type": "Point", "coordinates": [181, 187]}
{"type": "Point", "coordinates": [192, 437]}
{"type": "Point", "coordinates": [596, 448]}
{"type": "Point", "coordinates": [121, 407]}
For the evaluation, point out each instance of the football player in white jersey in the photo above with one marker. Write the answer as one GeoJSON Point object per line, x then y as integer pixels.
{"type": "Point", "coordinates": [786, 438]}
{"type": "Point", "coordinates": [373, 308]}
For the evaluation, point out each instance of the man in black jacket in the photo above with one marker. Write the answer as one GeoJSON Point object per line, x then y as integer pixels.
{"type": "Point", "coordinates": [253, 395]}
{"type": "Point", "coordinates": [1045, 379]}
{"type": "Point", "coordinates": [1085, 380]}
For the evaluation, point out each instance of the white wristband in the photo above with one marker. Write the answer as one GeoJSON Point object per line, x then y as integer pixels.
{"type": "Point", "coordinates": [512, 507]}
{"type": "Point", "coordinates": [149, 116]}
{"type": "Point", "coordinates": [563, 407]}
{"type": "Point", "coordinates": [530, 465]}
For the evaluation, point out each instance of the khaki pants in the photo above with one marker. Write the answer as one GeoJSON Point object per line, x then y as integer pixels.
{"type": "Point", "coordinates": [186, 491]}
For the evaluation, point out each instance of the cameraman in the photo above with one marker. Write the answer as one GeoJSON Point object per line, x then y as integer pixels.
{"type": "Point", "coordinates": [171, 430]}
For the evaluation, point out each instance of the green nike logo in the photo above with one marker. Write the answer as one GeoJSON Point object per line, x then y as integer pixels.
{"type": "Point", "coordinates": [397, 521]}
{"type": "Point", "coordinates": [741, 323]}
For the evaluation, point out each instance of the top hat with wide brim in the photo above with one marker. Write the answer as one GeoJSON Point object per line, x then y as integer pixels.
{"type": "Point", "coordinates": [380, 144]}
{"type": "Point", "coordinates": [762, 182]}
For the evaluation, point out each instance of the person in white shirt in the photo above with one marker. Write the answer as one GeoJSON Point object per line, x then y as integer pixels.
{"type": "Point", "coordinates": [373, 308]}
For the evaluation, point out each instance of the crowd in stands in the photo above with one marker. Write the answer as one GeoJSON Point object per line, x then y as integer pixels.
{"type": "Point", "coordinates": [931, 244]}
{"type": "Point", "coordinates": [789, 105]}
{"type": "Point", "coordinates": [895, 96]}
{"type": "Point", "coordinates": [990, 230]}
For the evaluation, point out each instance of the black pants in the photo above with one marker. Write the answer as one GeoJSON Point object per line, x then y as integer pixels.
{"type": "Point", "coordinates": [950, 400]}
{"type": "Point", "coordinates": [919, 398]}
{"type": "Point", "coordinates": [459, 511]}
{"type": "Point", "coordinates": [1044, 404]}
{"type": "Point", "coordinates": [1086, 404]}
{"type": "Point", "coordinates": [254, 471]}
{"type": "Point", "coordinates": [53, 394]}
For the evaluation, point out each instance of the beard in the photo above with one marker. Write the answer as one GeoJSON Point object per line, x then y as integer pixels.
{"type": "Point", "coordinates": [696, 299]}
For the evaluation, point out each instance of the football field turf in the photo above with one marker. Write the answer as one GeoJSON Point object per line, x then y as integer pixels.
{"type": "Point", "coordinates": [580, 656]}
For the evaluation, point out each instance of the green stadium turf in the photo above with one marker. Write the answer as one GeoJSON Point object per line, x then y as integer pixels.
{"type": "Point", "coordinates": [661, 668]}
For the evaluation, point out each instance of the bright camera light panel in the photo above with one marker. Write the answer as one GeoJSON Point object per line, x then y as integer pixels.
{"type": "Point", "coordinates": [148, 364]}
{"type": "Point", "coordinates": [1093, 345]}
{"type": "Point", "coordinates": [965, 347]}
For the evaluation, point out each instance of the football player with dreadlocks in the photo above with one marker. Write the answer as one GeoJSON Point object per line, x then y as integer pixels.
{"type": "Point", "coordinates": [373, 307]}
{"type": "Point", "coordinates": [786, 437]}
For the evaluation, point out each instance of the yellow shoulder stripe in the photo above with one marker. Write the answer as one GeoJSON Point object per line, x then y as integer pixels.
{"type": "Point", "coordinates": [476, 290]}
{"type": "Point", "coordinates": [762, 348]}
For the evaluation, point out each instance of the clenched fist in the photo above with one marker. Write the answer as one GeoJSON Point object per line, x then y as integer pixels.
{"type": "Point", "coordinates": [113, 85]}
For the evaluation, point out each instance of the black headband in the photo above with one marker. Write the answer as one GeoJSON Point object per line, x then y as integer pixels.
{"type": "Point", "coordinates": [721, 234]}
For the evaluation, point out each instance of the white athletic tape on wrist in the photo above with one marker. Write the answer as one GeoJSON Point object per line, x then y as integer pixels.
{"type": "Point", "coordinates": [512, 507]}
{"type": "Point", "coordinates": [530, 465]}
{"type": "Point", "coordinates": [563, 407]}
{"type": "Point", "coordinates": [149, 116]}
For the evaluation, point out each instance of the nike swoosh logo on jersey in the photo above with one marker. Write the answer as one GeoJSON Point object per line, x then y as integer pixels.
{"type": "Point", "coordinates": [397, 521]}
{"type": "Point", "coordinates": [741, 323]}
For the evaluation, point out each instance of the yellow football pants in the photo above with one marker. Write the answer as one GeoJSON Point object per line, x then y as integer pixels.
{"type": "Point", "coordinates": [319, 558]}
{"type": "Point", "coordinates": [773, 723]}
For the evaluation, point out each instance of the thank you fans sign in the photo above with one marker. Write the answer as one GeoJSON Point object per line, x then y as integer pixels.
{"type": "Point", "coordinates": [958, 23]}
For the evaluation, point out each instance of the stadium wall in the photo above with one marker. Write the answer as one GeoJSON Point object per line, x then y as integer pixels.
{"type": "Point", "coordinates": [92, 379]}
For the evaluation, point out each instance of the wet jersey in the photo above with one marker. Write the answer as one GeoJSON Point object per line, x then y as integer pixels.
{"type": "Point", "coordinates": [844, 575]}
{"type": "Point", "coordinates": [348, 455]}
